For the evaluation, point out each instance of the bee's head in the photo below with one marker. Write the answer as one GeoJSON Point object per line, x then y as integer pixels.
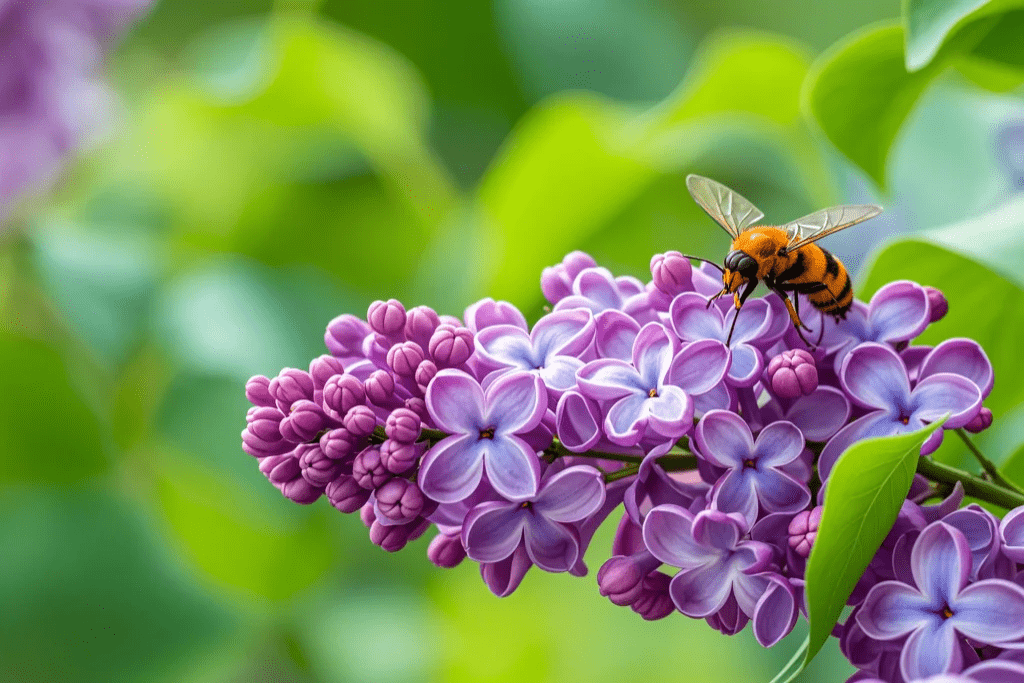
{"type": "Point", "coordinates": [739, 268]}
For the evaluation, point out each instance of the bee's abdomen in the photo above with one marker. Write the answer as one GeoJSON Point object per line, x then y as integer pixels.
{"type": "Point", "coordinates": [837, 297]}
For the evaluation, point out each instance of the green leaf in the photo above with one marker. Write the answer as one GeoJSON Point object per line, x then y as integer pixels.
{"type": "Point", "coordinates": [865, 491]}
{"type": "Point", "coordinates": [928, 23]}
{"type": "Point", "coordinates": [983, 305]}
{"type": "Point", "coordinates": [860, 93]}
{"type": "Point", "coordinates": [1013, 469]}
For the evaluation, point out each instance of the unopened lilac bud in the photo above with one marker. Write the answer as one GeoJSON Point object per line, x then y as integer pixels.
{"type": "Point", "coordinates": [322, 368]}
{"type": "Point", "coordinates": [424, 373]}
{"type": "Point", "coordinates": [793, 373]}
{"type": "Point", "coordinates": [386, 317]}
{"type": "Point", "coordinates": [418, 406]}
{"type": "Point", "coordinates": [400, 501]}
{"type": "Point", "coordinates": [257, 391]}
{"type": "Point", "coordinates": [620, 579]}
{"type": "Point", "coordinates": [937, 304]}
{"type": "Point", "coordinates": [300, 491]}
{"type": "Point", "coordinates": [285, 469]}
{"type": "Point", "coordinates": [450, 320]}
{"type": "Point", "coordinates": [446, 551]}
{"type": "Point", "coordinates": [265, 423]}
{"type": "Point", "coordinates": [654, 601]}
{"type": "Point", "coordinates": [345, 493]}
{"type": "Point", "coordinates": [420, 323]}
{"type": "Point", "coordinates": [259, 447]}
{"type": "Point", "coordinates": [671, 272]}
{"type": "Point", "coordinates": [803, 529]}
{"type": "Point", "coordinates": [368, 470]}
{"type": "Point", "coordinates": [394, 538]}
{"type": "Point", "coordinates": [981, 421]}
{"type": "Point", "coordinates": [398, 457]}
{"type": "Point", "coordinates": [451, 346]}
{"type": "Point", "coordinates": [380, 387]}
{"type": "Point", "coordinates": [305, 421]}
{"type": "Point", "coordinates": [404, 358]}
{"type": "Point", "coordinates": [403, 425]}
{"type": "Point", "coordinates": [291, 385]}
{"type": "Point", "coordinates": [337, 444]}
{"type": "Point", "coordinates": [366, 514]}
{"type": "Point", "coordinates": [317, 468]}
{"type": "Point", "coordinates": [345, 335]}
{"type": "Point", "coordinates": [268, 463]}
{"type": "Point", "coordinates": [360, 421]}
{"type": "Point", "coordinates": [341, 394]}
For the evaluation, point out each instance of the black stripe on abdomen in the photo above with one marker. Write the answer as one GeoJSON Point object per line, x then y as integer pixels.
{"type": "Point", "coordinates": [794, 271]}
{"type": "Point", "coordinates": [831, 265]}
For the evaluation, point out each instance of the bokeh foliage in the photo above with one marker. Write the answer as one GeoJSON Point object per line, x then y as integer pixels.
{"type": "Point", "coordinates": [280, 163]}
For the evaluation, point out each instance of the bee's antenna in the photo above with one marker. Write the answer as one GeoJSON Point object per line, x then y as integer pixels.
{"type": "Point", "coordinates": [698, 258]}
{"type": "Point", "coordinates": [732, 327]}
{"type": "Point", "coordinates": [821, 333]}
{"type": "Point", "coordinates": [714, 298]}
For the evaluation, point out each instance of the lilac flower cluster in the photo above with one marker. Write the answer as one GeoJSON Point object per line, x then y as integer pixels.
{"type": "Point", "coordinates": [517, 442]}
{"type": "Point", "coordinates": [52, 97]}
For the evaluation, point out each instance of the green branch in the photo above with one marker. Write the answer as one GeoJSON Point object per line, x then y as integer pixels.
{"type": "Point", "coordinates": [986, 464]}
{"type": "Point", "coordinates": [973, 485]}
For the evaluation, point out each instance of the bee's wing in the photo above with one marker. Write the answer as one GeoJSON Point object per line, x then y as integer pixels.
{"type": "Point", "coordinates": [827, 221]}
{"type": "Point", "coordinates": [729, 209]}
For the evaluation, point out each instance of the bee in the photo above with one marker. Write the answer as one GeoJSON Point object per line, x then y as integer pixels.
{"type": "Point", "coordinates": [784, 257]}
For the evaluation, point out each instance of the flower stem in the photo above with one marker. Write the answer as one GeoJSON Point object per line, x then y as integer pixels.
{"type": "Point", "coordinates": [986, 464]}
{"type": "Point", "coordinates": [973, 485]}
{"type": "Point", "coordinates": [628, 471]}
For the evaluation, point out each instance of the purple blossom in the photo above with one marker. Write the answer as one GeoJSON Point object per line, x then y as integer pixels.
{"type": "Point", "coordinates": [898, 312]}
{"type": "Point", "coordinates": [875, 378]}
{"type": "Point", "coordinates": [552, 349]}
{"type": "Point", "coordinates": [488, 313]}
{"type": "Point", "coordinates": [493, 530]}
{"type": "Point", "coordinates": [598, 290]}
{"type": "Point", "coordinates": [556, 281]}
{"type": "Point", "coordinates": [715, 562]}
{"type": "Point", "coordinates": [753, 468]}
{"type": "Point", "coordinates": [487, 429]}
{"type": "Point", "coordinates": [941, 606]}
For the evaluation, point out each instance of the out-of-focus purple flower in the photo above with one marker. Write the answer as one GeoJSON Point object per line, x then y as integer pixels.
{"type": "Point", "coordinates": [488, 313]}
{"type": "Point", "coordinates": [647, 401]}
{"type": "Point", "coordinates": [875, 378]}
{"type": "Point", "coordinates": [754, 471]}
{"type": "Point", "coordinates": [556, 281]}
{"type": "Point", "coordinates": [692, 320]}
{"type": "Point", "coordinates": [803, 529]}
{"type": "Point", "coordinates": [494, 530]}
{"type": "Point", "coordinates": [793, 373]}
{"type": "Point", "coordinates": [898, 312]}
{"type": "Point", "coordinates": [53, 100]}
{"type": "Point", "coordinates": [487, 429]}
{"type": "Point", "coordinates": [942, 606]}
{"type": "Point", "coordinates": [552, 349]}
{"type": "Point", "coordinates": [714, 562]}
{"type": "Point", "coordinates": [937, 304]}
{"type": "Point", "coordinates": [598, 290]}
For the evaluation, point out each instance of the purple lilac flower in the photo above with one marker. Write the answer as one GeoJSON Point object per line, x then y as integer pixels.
{"type": "Point", "coordinates": [552, 349]}
{"type": "Point", "coordinates": [753, 468]}
{"type": "Point", "coordinates": [556, 281]}
{"type": "Point", "coordinates": [486, 430]}
{"type": "Point", "coordinates": [875, 378]}
{"type": "Point", "coordinates": [488, 313]}
{"type": "Point", "coordinates": [493, 530]}
{"type": "Point", "coordinates": [53, 100]}
{"type": "Point", "coordinates": [898, 312]}
{"type": "Point", "coordinates": [941, 606]}
{"type": "Point", "coordinates": [598, 290]}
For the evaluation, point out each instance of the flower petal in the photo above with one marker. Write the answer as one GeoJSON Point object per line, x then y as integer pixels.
{"type": "Point", "coordinates": [821, 414]}
{"type": "Point", "coordinates": [560, 373]}
{"type": "Point", "coordinates": [996, 671]}
{"type": "Point", "coordinates": [492, 531]}
{"type": "Point", "coordinates": [940, 562]}
{"type": "Point", "coordinates": [878, 423]}
{"type": "Point", "coordinates": [668, 534]}
{"type": "Point", "coordinates": [552, 546]}
{"type": "Point", "coordinates": [893, 609]}
{"type": "Point", "coordinates": [701, 591]}
{"type": "Point", "coordinates": [724, 439]}
{"type": "Point", "coordinates": [990, 611]}
{"type": "Point", "coordinates": [577, 421]}
{"type": "Point", "coordinates": [734, 492]}
{"type": "Point", "coordinates": [693, 320]}
{"type": "Point", "coordinates": [512, 467]}
{"type": "Point", "coordinates": [754, 321]}
{"type": "Point", "coordinates": [567, 333]}
{"type": "Point", "coordinates": [653, 351]}
{"type": "Point", "coordinates": [671, 412]}
{"type": "Point", "coordinates": [745, 365]}
{"type": "Point", "coordinates": [505, 576]}
{"type": "Point", "coordinates": [700, 366]}
{"type": "Point", "coordinates": [506, 346]}
{"type": "Point", "coordinates": [598, 285]}
{"type": "Point", "coordinates": [719, 530]}
{"type": "Point", "coordinates": [452, 469]}
{"type": "Point", "coordinates": [455, 402]}
{"type": "Point", "coordinates": [626, 420]}
{"type": "Point", "coordinates": [1011, 530]}
{"type": "Point", "coordinates": [779, 492]}
{"type": "Point", "coordinates": [775, 613]}
{"type": "Point", "coordinates": [608, 379]}
{"type": "Point", "coordinates": [777, 444]}
{"type": "Point", "coordinates": [573, 494]}
{"type": "Point", "coordinates": [515, 403]}
{"type": "Point", "coordinates": [898, 311]}
{"type": "Point", "coordinates": [929, 651]}
{"type": "Point", "coordinates": [962, 357]}
{"type": "Point", "coordinates": [937, 395]}
{"type": "Point", "coordinates": [874, 377]}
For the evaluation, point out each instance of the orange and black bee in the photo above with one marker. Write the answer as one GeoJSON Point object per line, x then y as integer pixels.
{"type": "Point", "coordinates": [785, 258]}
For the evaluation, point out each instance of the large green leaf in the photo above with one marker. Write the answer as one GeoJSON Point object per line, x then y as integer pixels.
{"type": "Point", "coordinates": [983, 305]}
{"type": "Point", "coordinates": [860, 93]}
{"type": "Point", "coordinates": [928, 23]}
{"type": "Point", "coordinates": [865, 491]}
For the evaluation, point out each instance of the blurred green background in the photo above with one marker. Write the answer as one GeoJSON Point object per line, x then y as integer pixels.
{"type": "Point", "coordinates": [279, 163]}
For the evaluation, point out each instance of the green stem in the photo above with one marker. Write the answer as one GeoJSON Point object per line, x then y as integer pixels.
{"type": "Point", "coordinates": [621, 474]}
{"type": "Point", "coordinates": [973, 485]}
{"type": "Point", "coordinates": [986, 464]}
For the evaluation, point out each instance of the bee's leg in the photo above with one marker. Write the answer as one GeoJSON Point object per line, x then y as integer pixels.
{"type": "Point", "coordinates": [714, 298]}
{"type": "Point", "coordinates": [793, 316]}
{"type": "Point", "coordinates": [739, 299]}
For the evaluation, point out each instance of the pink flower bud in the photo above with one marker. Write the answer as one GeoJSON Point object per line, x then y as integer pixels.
{"type": "Point", "coordinates": [446, 551]}
{"type": "Point", "coordinates": [399, 501]}
{"type": "Point", "coordinates": [360, 421]}
{"type": "Point", "coordinates": [368, 470]}
{"type": "Point", "coordinates": [341, 394]}
{"type": "Point", "coordinates": [420, 323]}
{"type": "Point", "coordinates": [981, 421]}
{"type": "Point", "coordinates": [398, 457]}
{"type": "Point", "coordinates": [793, 373]}
{"type": "Point", "coordinates": [380, 387]}
{"type": "Point", "coordinates": [345, 493]}
{"type": "Point", "coordinates": [317, 468]}
{"type": "Point", "coordinates": [451, 346]}
{"type": "Point", "coordinates": [404, 358]}
{"type": "Point", "coordinates": [937, 304]}
{"type": "Point", "coordinates": [386, 317]}
{"type": "Point", "coordinates": [671, 272]}
{"type": "Point", "coordinates": [403, 425]}
{"type": "Point", "coordinates": [289, 386]}
{"type": "Point", "coordinates": [337, 444]}
{"type": "Point", "coordinates": [257, 391]}
{"type": "Point", "coordinates": [304, 422]}
{"type": "Point", "coordinates": [322, 369]}
{"type": "Point", "coordinates": [424, 373]}
{"type": "Point", "coordinates": [803, 529]}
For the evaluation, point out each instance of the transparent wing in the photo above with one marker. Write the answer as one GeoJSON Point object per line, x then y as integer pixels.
{"type": "Point", "coordinates": [729, 209]}
{"type": "Point", "coordinates": [827, 221]}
